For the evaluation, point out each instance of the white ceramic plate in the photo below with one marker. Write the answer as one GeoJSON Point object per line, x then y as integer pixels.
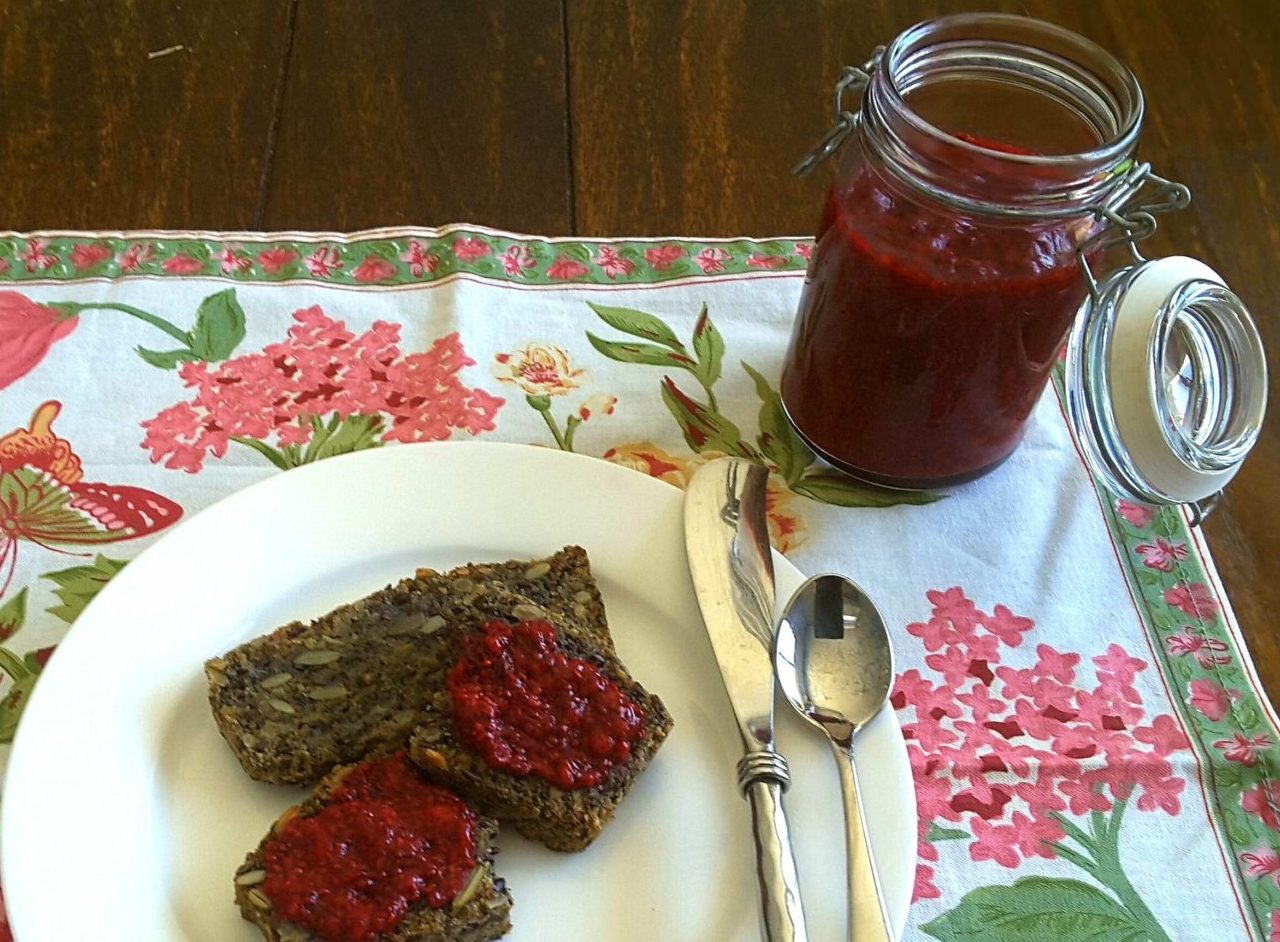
{"type": "Point", "coordinates": [125, 815]}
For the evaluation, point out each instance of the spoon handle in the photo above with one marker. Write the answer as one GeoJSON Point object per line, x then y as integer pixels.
{"type": "Point", "coordinates": [868, 921]}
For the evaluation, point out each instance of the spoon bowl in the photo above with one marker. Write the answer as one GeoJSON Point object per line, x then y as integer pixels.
{"type": "Point", "coordinates": [833, 657]}
{"type": "Point", "coordinates": [834, 663]}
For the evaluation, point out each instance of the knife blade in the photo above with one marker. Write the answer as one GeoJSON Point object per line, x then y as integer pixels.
{"type": "Point", "coordinates": [731, 563]}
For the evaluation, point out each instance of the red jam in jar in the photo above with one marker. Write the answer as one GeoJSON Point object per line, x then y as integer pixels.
{"type": "Point", "coordinates": [385, 841]}
{"type": "Point", "coordinates": [925, 337]}
{"type": "Point", "coordinates": [945, 278]}
{"type": "Point", "coordinates": [528, 708]}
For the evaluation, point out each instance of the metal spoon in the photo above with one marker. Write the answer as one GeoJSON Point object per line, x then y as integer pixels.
{"type": "Point", "coordinates": [835, 665]}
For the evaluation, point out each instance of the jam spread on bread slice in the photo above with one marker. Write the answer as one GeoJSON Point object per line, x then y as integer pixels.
{"type": "Point", "coordinates": [385, 841]}
{"type": "Point", "coordinates": [528, 708]}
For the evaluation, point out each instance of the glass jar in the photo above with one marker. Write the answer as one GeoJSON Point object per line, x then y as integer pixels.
{"type": "Point", "coordinates": [991, 163]}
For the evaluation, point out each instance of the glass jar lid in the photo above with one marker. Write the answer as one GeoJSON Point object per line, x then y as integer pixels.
{"type": "Point", "coordinates": [1166, 381]}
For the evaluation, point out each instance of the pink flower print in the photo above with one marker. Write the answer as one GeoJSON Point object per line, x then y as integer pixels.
{"type": "Point", "coordinates": [137, 255]}
{"type": "Point", "coordinates": [1194, 599]}
{"type": "Point", "coordinates": [1083, 797]}
{"type": "Point", "coordinates": [323, 262]}
{"type": "Point", "coordinates": [952, 604]}
{"type": "Point", "coordinates": [981, 704]}
{"type": "Point", "coordinates": [468, 249]}
{"type": "Point", "coordinates": [1140, 515]}
{"type": "Point", "coordinates": [1262, 802]}
{"type": "Point", "coordinates": [274, 261]}
{"type": "Point", "coordinates": [1007, 626]}
{"type": "Point", "coordinates": [27, 332]}
{"type": "Point", "coordinates": [427, 400]}
{"type": "Point", "coordinates": [421, 262]}
{"type": "Point", "coordinates": [37, 256]}
{"type": "Point", "coordinates": [321, 368]}
{"type": "Point", "coordinates": [922, 889]}
{"type": "Point", "coordinates": [1161, 793]}
{"type": "Point", "coordinates": [804, 250]}
{"type": "Point", "coordinates": [1117, 663]}
{"type": "Point", "coordinates": [1261, 863]}
{"type": "Point", "coordinates": [1161, 554]}
{"type": "Point", "coordinates": [761, 260]}
{"type": "Point", "coordinates": [234, 261]}
{"type": "Point", "coordinates": [1075, 742]}
{"type": "Point", "coordinates": [1005, 758]}
{"type": "Point", "coordinates": [182, 264]}
{"type": "Point", "coordinates": [930, 736]}
{"type": "Point", "coordinates": [1051, 663]}
{"type": "Point", "coordinates": [89, 255]}
{"type": "Point", "coordinates": [1209, 698]}
{"type": "Point", "coordinates": [4, 267]}
{"type": "Point", "coordinates": [564, 269]}
{"type": "Point", "coordinates": [935, 701]}
{"type": "Point", "coordinates": [599, 404]}
{"type": "Point", "coordinates": [1243, 749]}
{"type": "Point", "coordinates": [613, 264]}
{"type": "Point", "coordinates": [1164, 735]}
{"type": "Point", "coordinates": [935, 633]}
{"type": "Point", "coordinates": [993, 842]}
{"type": "Point", "coordinates": [1053, 697]}
{"type": "Point", "coordinates": [711, 260]}
{"type": "Point", "coordinates": [1208, 651]}
{"type": "Point", "coordinates": [1033, 836]}
{"type": "Point", "coordinates": [952, 664]}
{"type": "Point", "coordinates": [662, 257]}
{"type": "Point", "coordinates": [1274, 934]}
{"type": "Point", "coordinates": [374, 269]}
{"type": "Point", "coordinates": [517, 260]}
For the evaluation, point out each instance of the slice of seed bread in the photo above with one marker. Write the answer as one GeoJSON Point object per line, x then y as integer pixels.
{"type": "Point", "coordinates": [561, 584]}
{"type": "Point", "coordinates": [562, 820]}
{"type": "Point", "coordinates": [482, 911]}
{"type": "Point", "coordinates": [294, 703]}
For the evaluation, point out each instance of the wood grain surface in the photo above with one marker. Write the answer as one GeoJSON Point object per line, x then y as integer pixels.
{"type": "Point", "coordinates": [596, 117]}
{"type": "Point", "coordinates": [95, 134]}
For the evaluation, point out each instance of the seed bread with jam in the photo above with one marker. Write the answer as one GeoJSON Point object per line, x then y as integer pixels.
{"type": "Point", "coordinates": [306, 697]}
{"type": "Point", "coordinates": [481, 911]}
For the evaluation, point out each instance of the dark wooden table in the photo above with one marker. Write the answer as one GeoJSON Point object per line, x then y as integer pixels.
{"type": "Point", "coordinates": [594, 117]}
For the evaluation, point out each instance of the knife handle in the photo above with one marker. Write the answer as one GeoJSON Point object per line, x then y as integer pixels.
{"type": "Point", "coordinates": [763, 777]}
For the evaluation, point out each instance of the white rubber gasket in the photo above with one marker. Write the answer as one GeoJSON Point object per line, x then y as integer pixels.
{"type": "Point", "coordinates": [1132, 394]}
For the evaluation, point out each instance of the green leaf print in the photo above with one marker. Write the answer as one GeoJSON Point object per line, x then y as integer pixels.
{"type": "Point", "coordinates": [778, 440]}
{"type": "Point", "coordinates": [708, 348]}
{"type": "Point", "coordinates": [832, 487]}
{"type": "Point", "coordinates": [644, 353]}
{"type": "Point", "coordinates": [639, 324]}
{"type": "Point", "coordinates": [12, 614]}
{"type": "Point", "coordinates": [219, 327]}
{"type": "Point", "coordinates": [77, 586]}
{"type": "Point", "coordinates": [1037, 909]}
{"type": "Point", "coordinates": [21, 672]}
{"type": "Point", "coordinates": [937, 833]}
{"type": "Point", "coordinates": [342, 436]}
{"type": "Point", "coordinates": [704, 429]}
{"type": "Point", "coordinates": [166, 359]}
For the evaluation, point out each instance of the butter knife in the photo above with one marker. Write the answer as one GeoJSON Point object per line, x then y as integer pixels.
{"type": "Point", "coordinates": [727, 538]}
